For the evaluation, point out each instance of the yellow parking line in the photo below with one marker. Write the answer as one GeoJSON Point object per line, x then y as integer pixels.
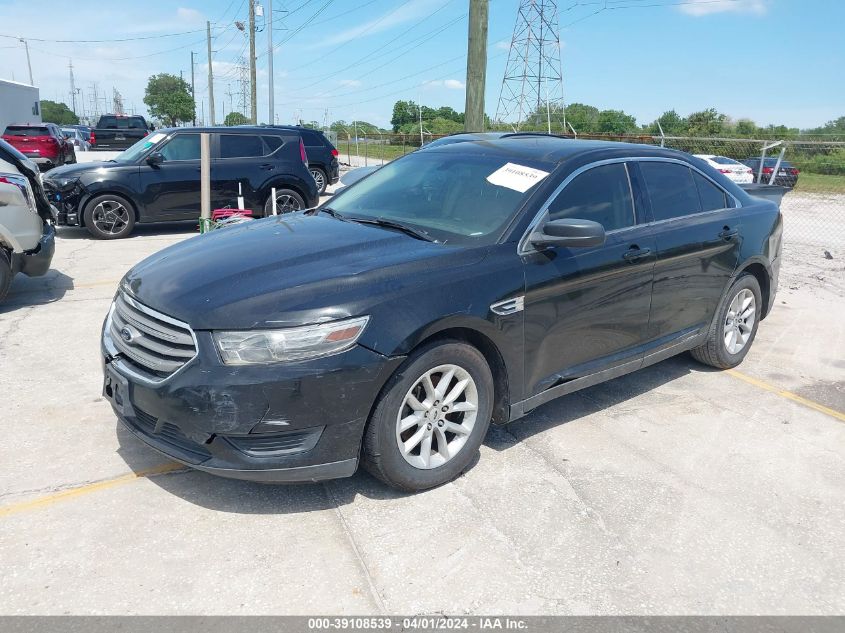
{"type": "Point", "coordinates": [783, 393]}
{"type": "Point", "coordinates": [85, 489]}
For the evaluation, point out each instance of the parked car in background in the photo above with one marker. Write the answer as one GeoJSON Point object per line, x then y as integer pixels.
{"type": "Point", "coordinates": [733, 169]}
{"type": "Point", "coordinates": [787, 175]}
{"type": "Point", "coordinates": [75, 136]}
{"type": "Point", "coordinates": [322, 155]}
{"type": "Point", "coordinates": [158, 179]}
{"type": "Point", "coordinates": [27, 236]}
{"type": "Point", "coordinates": [43, 143]}
{"type": "Point", "coordinates": [118, 131]}
{"type": "Point", "coordinates": [451, 287]}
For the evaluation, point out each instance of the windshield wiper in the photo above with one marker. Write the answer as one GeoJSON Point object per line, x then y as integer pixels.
{"type": "Point", "coordinates": [327, 210]}
{"type": "Point", "coordinates": [392, 224]}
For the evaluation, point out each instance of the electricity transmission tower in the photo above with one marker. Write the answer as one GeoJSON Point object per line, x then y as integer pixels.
{"type": "Point", "coordinates": [532, 88]}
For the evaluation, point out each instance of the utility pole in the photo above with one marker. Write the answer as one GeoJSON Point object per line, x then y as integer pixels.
{"type": "Point", "coordinates": [28, 63]}
{"type": "Point", "coordinates": [253, 94]}
{"type": "Point", "coordinates": [210, 75]}
{"type": "Point", "coordinates": [476, 65]}
{"type": "Point", "coordinates": [193, 89]}
{"type": "Point", "coordinates": [72, 87]}
{"type": "Point", "coordinates": [270, 62]}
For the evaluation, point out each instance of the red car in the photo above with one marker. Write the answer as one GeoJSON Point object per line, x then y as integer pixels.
{"type": "Point", "coordinates": [43, 143]}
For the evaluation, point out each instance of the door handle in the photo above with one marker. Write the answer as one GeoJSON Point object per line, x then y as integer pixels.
{"type": "Point", "coordinates": [728, 233]}
{"type": "Point", "coordinates": [268, 166]}
{"type": "Point", "coordinates": [635, 254]}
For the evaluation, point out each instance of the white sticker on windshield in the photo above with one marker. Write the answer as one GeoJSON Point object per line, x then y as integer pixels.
{"type": "Point", "coordinates": [155, 138]}
{"type": "Point", "coordinates": [516, 177]}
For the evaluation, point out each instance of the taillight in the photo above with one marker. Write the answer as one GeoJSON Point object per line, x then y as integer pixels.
{"type": "Point", "coordinates": [335, 152]}
{"type": "Point", "coordinates": [725, 171]}
{"type": "Point", "coordinates": [93, 138]}
{"type": "Point", "coordinates": [767, 170]}
{"type": "Point", "coordinates": [146, 132]}
{"type": "Point", "coordinates": [793, 171]}
{"type": "Point", "coordinates": [23, 185]}
{"type": "Point", "coordinates": [302, 153]}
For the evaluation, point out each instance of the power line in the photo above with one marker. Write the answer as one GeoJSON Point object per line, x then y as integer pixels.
{"type": "Point", "coordinates": [124, 39]}
{"type": "Point", "coordinates": [120, 59]}
{"type": "Point", "coordinates": [298, 29]}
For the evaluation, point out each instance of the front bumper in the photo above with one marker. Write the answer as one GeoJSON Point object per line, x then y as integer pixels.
{"type": "Point", "coordinates": [36, 262]}
{"type": "Point", "coordinates": [273, 423]}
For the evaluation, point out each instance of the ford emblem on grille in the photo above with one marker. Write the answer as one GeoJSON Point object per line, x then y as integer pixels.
{"type": "Point", "coordinates": [127, 335]}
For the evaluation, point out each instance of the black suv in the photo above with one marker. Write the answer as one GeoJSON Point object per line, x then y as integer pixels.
{"type": "Point", "coordinates": [158, 179]}
{"type": "Point", "coordinates": [453, 286]}
{"type": "Point", "coordinates": [322, 155]}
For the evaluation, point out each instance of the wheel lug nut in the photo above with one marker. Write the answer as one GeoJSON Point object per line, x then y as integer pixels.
{"type": "Point", "coordinates": [428, 426]}
{"type": "Point", "coordinates": [440, 423]}
{"type": "Point", "coordinates": [444, 409]}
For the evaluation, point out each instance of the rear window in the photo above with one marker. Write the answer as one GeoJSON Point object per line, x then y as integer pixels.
{"type": "Point", "coordinates": [240, 146]}
{"type": "Point", "coordinates": [672, 190]}
{"type": "Point", "coordinates": [724, 160]}
{"type": "Point", "coordinates": [273, 143]}
{"type": "Point", "coordinates": [312, 139]}
{"type": "Point", "coordinates": [27, 130]}
{"type": "Point", "coordinates": [122, 123]}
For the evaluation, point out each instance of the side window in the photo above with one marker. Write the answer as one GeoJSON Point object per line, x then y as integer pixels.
{"type": "Point", "coordinates": [712, 197]}
{"type": "Point", "coordinates": [671, 188]}
{"type": "Point", "coordinates": [240, 146]}
{"type": "Point", "coordinates": [601, 194]}
{"type": "Point", "coordinates": [272, 143]}
{"type": "Point", "coordinates": [182, 147]}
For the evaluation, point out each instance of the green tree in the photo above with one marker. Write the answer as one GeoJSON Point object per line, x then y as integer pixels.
{"type": "Point", "coordinates": [584, 118]}
{"type": "Point", "coordinates": [235, 118]}
{"type": "Point", "coordinates": [168, 98]}
{"type": "Point", "coordinates": [745, 127]}
{"type": "Point", "coordinates": [58, 113]}
{"type": "Point", "coordinates": [706, 123]}
{"type": "Point", "coordinates": [404, 112]}
{"type": "Point", "coordinates": [616, 122]}
{"type": "Point", "coordinates": [673, 124]}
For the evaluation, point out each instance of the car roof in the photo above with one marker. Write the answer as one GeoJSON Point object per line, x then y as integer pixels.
{"type": "Point", "coordinates": [233, 129]}
{"type": "Point", "coordinates": [554, 149]}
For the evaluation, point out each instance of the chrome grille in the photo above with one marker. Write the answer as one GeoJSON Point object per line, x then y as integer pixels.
{"type": "Point", "coordinates": [152, 343]}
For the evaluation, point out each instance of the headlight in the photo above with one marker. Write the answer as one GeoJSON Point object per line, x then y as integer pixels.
{"type": "Point", "coordinates": [63, 184]}
{"type": "Point", "coordinates": [297, 343]}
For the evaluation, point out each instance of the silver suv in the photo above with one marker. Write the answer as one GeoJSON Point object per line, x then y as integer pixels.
{"type": "Point", "coordinates": [27, 233]}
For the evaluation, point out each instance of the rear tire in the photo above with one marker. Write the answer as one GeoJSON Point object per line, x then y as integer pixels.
{"type": "Point", "coordinates": [320, 178]}
{"type": "Point", "coordinates": [424, 432]}
{"type": "Point", "coordinates": [734, 326]}
{"type": "Point", "coordinates": [5, 273]}
{"type": "Point", "coordinates": [109, 217]}
{"type": "Point", "coordinates": [287, 201]}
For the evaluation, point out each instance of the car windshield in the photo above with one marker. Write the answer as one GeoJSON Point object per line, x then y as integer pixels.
{"type": "Point", "coordinates": [68, 133]}
{"type": "Point", "coordinates": [131, 154]}
{"type": "Point", "coordinates": [452, 196]}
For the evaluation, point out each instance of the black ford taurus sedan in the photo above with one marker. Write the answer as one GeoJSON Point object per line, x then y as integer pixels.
{"type": "Point", "coordinates": [451, 288]}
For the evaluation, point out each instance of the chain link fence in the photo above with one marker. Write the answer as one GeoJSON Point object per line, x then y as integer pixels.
{"type": "Point", "coordinates": [813, 208]}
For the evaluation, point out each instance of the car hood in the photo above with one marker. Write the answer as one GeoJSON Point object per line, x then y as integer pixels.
{"type": "Point", "coordinates": [78, 169]}
{"type": "Point", "coordinates": [290, 270]}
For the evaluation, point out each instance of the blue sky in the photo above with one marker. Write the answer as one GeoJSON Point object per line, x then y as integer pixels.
{"type": "Point", "coordinates": [775, 61]}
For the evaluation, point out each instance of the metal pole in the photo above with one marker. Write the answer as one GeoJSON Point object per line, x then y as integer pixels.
{"type": "Point", "coordinates": [210, 75]}
{"type": "Point", "coordinates": [662, 135]}
{"type": "Point", "coordinates": [28, 63]}
{"type": "Point", "coordinates": [476, 65]}
{"type": "Point", "coordinates": [253, 94]}
{"type": "Point", "coordinates": [193, 89]}
{"type": "Point", "coordinates": [270, 63]}
{"type": "Point", "coordinates": [777, 166]}
{"type": "Point", "coordinates": [205, 181]}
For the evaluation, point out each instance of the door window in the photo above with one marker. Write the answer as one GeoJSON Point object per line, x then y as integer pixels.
{"type": "Point", "coordinates": [601, 194]}
{"type": "Point", "coordinates": [712, 197]}
{"type": "Point", "coordinates": [240, 146]}
{"type": "Point", "coordinates": [671, 188]}
{"type": "Point", "coordinates": [182, 147]}
{"type": "Point", "coordinates": [273, 143]}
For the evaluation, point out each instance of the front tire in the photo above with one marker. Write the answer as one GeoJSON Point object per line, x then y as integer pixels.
{"type": "Point", "coordinates": [287, 201]}
{"type": "Point", "coordinates": [109, 217]}
{"type": "Point", "coordinates": [734, 327]}
{"type": "Point", "coordinates": [431, 418]}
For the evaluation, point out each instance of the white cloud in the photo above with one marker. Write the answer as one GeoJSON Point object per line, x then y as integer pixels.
{"type": "Point", "coordinates": [450, 84]}
{"type": "Point", "coordinates": [698, 8]}
{"type": "Point", "coordinates": [349, 83]}
{"type": "Point", "coordinates": [405, 13]}
{"type": "Point", "coordinates": [188, 15]}
{"type": "Point", "coordinates": [453, 84]}
{"type": "Point", "coordinates": [502, 45]}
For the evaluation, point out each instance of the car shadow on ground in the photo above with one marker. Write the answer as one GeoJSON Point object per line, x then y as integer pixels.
{"type": "Point", "coordinates": [140, 230]}
{"type": "Point", "coordinates": [33, 291]}
{"type": "Point", "coordinates": [243, 497]}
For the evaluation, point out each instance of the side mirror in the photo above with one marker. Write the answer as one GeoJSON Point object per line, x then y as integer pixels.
{"type": "Point", "coordinates": [568, 232]}
{"type": "Point", "coordinates": [156, 158]}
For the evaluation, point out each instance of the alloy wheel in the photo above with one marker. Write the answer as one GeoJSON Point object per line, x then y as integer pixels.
{"type": "Point", "coordinates": [286, 203]}
{"type": "Point", "coordinates": [110, 217]}
{"type": "Point", "coordinates": [318, 177]}
{"type": "Point", "coordinates": [437, 416]}
{"type": "Point", "coordinates": [739, 321]}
